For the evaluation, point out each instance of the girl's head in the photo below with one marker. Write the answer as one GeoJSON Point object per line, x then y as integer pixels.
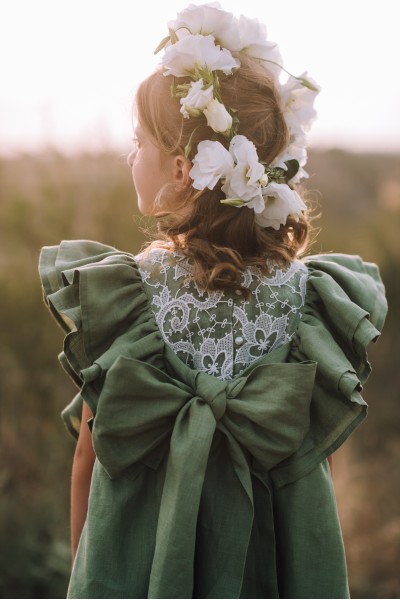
{"type": "Point", "coordinates": [220, 238]}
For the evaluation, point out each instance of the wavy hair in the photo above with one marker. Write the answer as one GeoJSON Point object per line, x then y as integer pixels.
{"type": "Point", "coordinates": [221, 240]}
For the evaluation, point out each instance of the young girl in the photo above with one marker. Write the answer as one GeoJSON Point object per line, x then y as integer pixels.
{"type": "Point", "coordinates": [217, 370]}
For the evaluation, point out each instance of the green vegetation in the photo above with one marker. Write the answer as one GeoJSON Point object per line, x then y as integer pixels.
{"type": "Point", "coordinates": [48, 198]}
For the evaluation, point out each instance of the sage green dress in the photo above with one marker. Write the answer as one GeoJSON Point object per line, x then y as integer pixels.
{"type": "Point", "coordinates": [211, 479]}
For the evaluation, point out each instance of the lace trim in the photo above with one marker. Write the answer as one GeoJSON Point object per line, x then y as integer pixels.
{"type": "Point", "coordinates": [220, 332]}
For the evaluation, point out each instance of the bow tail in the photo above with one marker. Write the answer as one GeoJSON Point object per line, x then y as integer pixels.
{"type": "Point", "coordinates": [226, 520]}
{"type": "Point", "coordinates": [172, 573]}
{"type": "Point", "coordinates": [243, 512]}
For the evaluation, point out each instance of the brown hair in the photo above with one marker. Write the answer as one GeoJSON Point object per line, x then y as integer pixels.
{"type": "Point", "coordinates": [221, 240]}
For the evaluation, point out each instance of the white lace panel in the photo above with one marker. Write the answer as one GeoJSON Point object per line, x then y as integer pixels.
{"type": "Point", "coordinates": [221, 332]}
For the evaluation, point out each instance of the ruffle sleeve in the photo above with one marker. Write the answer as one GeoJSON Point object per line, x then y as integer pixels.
{"type": "Point", "coordinates": [345, 309]}
{"type": "Point", "coordinates": [96, 295]}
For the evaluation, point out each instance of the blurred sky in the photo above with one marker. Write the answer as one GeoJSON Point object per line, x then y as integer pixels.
{"type": "Point", "coordinates": [68, 69]}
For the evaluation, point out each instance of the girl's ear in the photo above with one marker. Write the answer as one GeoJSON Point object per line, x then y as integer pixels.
{"type": "Point", "coordinates": [181, 168]}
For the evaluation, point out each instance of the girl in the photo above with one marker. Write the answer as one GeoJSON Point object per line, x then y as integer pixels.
{"type": "Point", "coordinates": [217, 370]}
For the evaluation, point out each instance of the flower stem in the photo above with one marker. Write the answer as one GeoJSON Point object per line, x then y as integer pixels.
{"type": "Point", "coordinates": [302, 80]}
{"type": "Point", "coordinates": [188, 147]}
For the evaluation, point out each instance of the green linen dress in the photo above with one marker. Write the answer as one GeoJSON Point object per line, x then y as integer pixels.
{"type": "Point", "coordinates": [210, 486]}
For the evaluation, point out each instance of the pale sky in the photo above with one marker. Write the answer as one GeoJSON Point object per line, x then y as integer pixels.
{"type": "Point", "coordinates": [68, 69]}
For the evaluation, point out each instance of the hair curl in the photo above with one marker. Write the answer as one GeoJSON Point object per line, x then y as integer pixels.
{"type": "Point", "coordinates": [221, 240]}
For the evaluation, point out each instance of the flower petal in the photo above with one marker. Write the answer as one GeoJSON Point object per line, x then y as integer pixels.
{"type": "Point", "coordinates": [194, 51]}
{"type": "Point", "coordinates": [280, 202]}
{"type": "Point", "coordinates": [207, 20]}
{"type": "Point", "coordinates": [211, 163]}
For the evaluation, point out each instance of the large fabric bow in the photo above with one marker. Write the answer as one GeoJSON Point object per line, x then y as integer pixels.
{"type": "Point", "coordinates": [264, 413]}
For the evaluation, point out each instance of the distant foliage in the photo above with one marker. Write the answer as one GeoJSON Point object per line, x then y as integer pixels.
{"type": "Point", "coordinates": [48, 198]}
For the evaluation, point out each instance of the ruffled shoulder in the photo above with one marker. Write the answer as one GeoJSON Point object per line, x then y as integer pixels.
{"type": "Point", "coordinates": [345, 309]}
{"type": "Point", "coordinates": [95, 293]}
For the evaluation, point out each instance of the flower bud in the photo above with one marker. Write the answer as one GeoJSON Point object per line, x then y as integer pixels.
{"type": "Point", "coordinates": [217, 116]}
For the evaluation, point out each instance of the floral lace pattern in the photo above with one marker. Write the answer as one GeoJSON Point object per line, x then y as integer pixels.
{"type": "Point", "coordinates": [221, 332]}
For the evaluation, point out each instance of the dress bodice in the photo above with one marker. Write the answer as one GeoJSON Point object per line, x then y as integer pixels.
{"type": "Point", "coordinates": [222, 332]}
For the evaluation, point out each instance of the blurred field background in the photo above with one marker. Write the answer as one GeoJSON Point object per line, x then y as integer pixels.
{"type": "Point", "coordinates": [49, 197]}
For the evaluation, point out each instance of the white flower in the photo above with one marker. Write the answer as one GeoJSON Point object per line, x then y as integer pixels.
{"type": "Point", "coordinates": [196, 99]}
{"type": "Point", "coordinates": [207, 19]}
{"type": "Point", "coordinates": [244, 180]}
{"type": "Point", "coordinates": [297, 102]}
{"type": "Point", "coordinates": [217, 116]}
{"type": "Point", "coordinates": [243, 34]}
{"type": "Point", "coordinates": [254, 43]}
{"type": "Point", "coordinates": [211, 163]}
{"type": "Point", "coordinates": [237, 186]}
{"type": "Point", "coordinates": [280, 202]}
{"type": "Point", "coordinates": [197, 51]}
{"type": "Point", "coordinates": [244, 151]}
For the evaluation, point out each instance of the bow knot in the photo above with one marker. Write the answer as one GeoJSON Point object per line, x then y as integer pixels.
{"type": "Point", "coordinates": [213, 392]}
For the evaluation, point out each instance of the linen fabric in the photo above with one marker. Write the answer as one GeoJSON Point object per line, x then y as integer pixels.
{"type": "Point", "coordinates": [204, 488]}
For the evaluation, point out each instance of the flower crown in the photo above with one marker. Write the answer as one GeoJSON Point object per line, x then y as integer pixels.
{"type": "Point", "coordinates": [199, 46]}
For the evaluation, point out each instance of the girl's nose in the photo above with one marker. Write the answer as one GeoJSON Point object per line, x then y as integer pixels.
{"type": "Point", "coordinates": [131, 158]}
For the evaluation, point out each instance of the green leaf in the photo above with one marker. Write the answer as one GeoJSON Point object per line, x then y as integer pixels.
{"type": "Point", "coordinates": [162, 44]}
{"type": "Point", "coordinates": [276, 174]}
{"type": "Point", "coordinates": [193, 112]}
{"type": "Point", "coordinates": [181, 90]}
{"type": "Point", "coordinates": [204, 74]}
{"type": "Point", "coordinates": [233, 201]}
{"type": "Point", "coordinates": [307, 84]}
{"type": "Point", "coordinates": [235, 122]}
{"type": "Point", "coordinates": [293, 167]}
{"type": "Point", "coordinates": [173, 37]}
{"type": "Point", "coordinates": [188, 147]}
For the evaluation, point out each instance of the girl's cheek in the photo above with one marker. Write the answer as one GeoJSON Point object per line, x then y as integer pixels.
{"type": "Point", "coordinates": [132, 156]}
